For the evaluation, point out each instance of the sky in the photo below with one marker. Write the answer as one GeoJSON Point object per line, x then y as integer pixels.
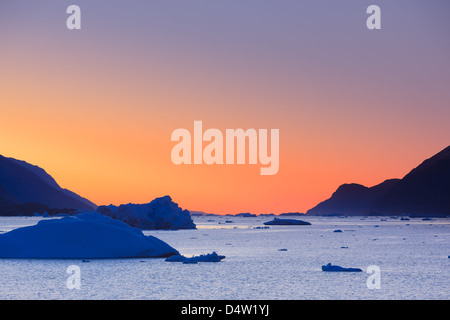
{"type": "Point", "coordinates": [96, 107]}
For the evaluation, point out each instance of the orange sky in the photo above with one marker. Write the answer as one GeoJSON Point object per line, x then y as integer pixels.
{"type": "Point", "coordinates": [96, 107]}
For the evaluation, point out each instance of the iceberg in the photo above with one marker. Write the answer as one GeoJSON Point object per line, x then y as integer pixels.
{"type": "Point", "coordinates": [84, 236]}
{"type": "Point", "coordinates": [210, 257]}
{"type": "Point", "coordinates": [245, 215]}
{"type": "Point", "coordinates": [277, 221]}
{"type": "Point", "coordinates": [330, 268]}
{"type": "Point", "coordinates": [161, 213]}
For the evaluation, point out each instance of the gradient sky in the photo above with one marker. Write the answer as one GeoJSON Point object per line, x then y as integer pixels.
{"type": "Point", "coordinates": [96, 107]}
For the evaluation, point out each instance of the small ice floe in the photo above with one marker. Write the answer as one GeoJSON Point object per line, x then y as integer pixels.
{"type": "Point", "coordinates": [210, 257]}
{"type": "Point", "coordinates": [343, 247]}
{"type": "Point", "coordinates": [330, 268]}
{"type": "Point", "coordinates": [404, 218]}
{"type": "Point", "coordinates": [337, 230]}
{"type": "Point", "coordinates": [288, 222]}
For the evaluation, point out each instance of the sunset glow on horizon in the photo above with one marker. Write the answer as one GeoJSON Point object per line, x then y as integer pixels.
{"type": "Point", "coordinates": [96, 107]}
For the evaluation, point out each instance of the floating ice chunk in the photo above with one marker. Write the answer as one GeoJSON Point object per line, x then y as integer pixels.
{"type": "Point", "coordinates": [330, 268]}
{"type": "Point", "coordinates": [277, 221]}
{"type": "Point", "coordinates": [176, 258]}
{"type": "Point", "coordinates": [161, 213]}
{"type": "Point", "coordinates": [210, 257]}
{"type": "Point", "coordinates": [245, 214]}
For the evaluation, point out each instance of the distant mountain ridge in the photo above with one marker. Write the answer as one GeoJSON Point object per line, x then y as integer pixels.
{"type": "Point", "coordinates": [352, 199]}
{"type": "Point", "coordinates": [25, 187]}
{"type": "Point", "coordinates": [424, 191]}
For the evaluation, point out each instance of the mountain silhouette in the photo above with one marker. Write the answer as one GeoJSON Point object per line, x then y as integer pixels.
{"type": "Point", "coordinates": [424, 191]}
{"type": "Point", "coordinates": [352, 199]}
{"type": "Point", "coordinates": [25, 187]}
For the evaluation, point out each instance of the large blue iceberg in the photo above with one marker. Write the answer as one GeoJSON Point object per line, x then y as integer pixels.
{"type": "Point", "coordinates": [86, 235]}
{"type": "Point", "coordinates": [161, 213]}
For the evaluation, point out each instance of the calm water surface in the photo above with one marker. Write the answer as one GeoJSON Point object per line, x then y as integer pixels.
{"type": "Point", "coordinates": [412, 257]}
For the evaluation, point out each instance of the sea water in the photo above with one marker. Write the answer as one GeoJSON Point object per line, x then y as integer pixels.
{"type": "Point", "coordinates": [276, 262]}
